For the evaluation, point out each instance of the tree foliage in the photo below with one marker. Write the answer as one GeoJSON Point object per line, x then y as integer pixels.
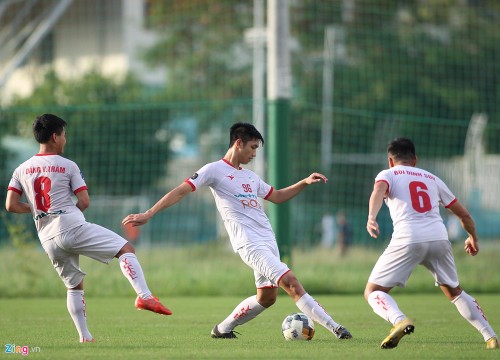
{"type": "Point", "coordinates": [201, 43]}
{"type": "Point", "coordinates": [435, 61]}
{"type": "Point", "coordinates": [109, 131]}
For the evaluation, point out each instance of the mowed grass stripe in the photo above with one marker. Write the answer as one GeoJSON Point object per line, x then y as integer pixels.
{"type": "Point", "coordinates": [125, 333]}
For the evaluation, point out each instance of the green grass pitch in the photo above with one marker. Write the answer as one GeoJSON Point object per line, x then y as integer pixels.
{"type": "Point", "coordinates": [44, 325]}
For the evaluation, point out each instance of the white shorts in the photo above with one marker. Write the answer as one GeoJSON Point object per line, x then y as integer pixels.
{"type": "Point", "coordinates": [91, 240]}
{"type": "Point", "coordinates": [397, 262]}
{"type": "Point", "coordinates": [265, 261]}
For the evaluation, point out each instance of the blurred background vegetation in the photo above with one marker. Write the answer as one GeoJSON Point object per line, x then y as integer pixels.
{"type": "Point", "coordinates": [150, 87]}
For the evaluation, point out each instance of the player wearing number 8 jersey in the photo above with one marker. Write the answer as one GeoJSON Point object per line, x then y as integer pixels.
{"type": "Point", "coordinates": [237, 194]}
{"type": "Point", "coordinates": [413, 197]}
{"type": "Point", "coordinates": [49, 181]}
{"type": "Point", "coordinates": [42, 178]}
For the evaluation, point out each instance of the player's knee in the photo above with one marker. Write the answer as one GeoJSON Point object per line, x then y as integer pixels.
{"type": "Point", "coordinates": [296, 289]}
{"type": "Point", "coordinates": [293, 287]}
{"type": "Point", "coordinates": [371, 288]}
{"type": "Point", "coordinates": [268, 302]}
{"type": "Point", "coordinates": [451, 292]}
{"type": "Point", "coordinates": [367, 293]}
{"type": "Point", "coordinates": [77, 287]}
{"type": "Point", "coordinates": [127, 248]}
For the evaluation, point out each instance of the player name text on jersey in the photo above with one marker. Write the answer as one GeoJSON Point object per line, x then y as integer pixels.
{"type": "Point", "coordinates": [413, 173]}
{"type": "Point", "coordinates": [46, 169]}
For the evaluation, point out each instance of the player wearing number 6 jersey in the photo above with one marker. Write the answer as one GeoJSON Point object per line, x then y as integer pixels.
{"type": "Point", "coordinates": [49, 181]}
{"type": "Point", "coordinates": [237, 194]}
{"type": "Point", "coordinates": [413, 197]}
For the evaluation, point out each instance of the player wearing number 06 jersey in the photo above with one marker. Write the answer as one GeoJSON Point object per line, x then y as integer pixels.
{"type": "Point", "coordinates": [49, 182]}
{"type": "Point", "coordinates": [238, 193]}
{"type": "Point", "coordinates": [413, 197]}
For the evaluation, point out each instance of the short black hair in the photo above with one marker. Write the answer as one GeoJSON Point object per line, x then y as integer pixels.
{"type": "Point", "coordinates": [245, 132]}
{"type": "Point", "coordinates": [401, 149]}
{"type": "Point", "coordinates": [45, 125]}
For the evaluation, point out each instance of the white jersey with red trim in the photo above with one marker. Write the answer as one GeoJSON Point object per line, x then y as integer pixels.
{"type": "Point", "coordinates": [413, 199]}
{"type": "Point", "coordinates": [48, 181]}
{"type": "Point", "coordinates": [237, 194]}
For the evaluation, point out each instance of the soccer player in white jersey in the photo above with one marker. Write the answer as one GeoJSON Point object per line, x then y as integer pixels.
{"type": "Point", "coordinates": [237, 194]}
{"type": "Point", "coordinates": [49, 181]}
{"type": "Point", "coordinates": [413, 197]}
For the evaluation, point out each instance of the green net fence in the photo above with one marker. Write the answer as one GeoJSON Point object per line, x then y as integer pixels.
{"type": "Point", "coordinates": [149, 90]}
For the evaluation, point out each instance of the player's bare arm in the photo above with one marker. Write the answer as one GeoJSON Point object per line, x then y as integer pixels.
{"type": "Point", "coordinates": [83, 200]}
{"type": "Point", "coordinates": [171, 198]}
{"type": "Point", "coordinates": [376, 199]}
{"type": "Point", "coordinates": [14, 204]}
{"type": "Point", "coordinates": [282, 195]}
{"type": "Point", "coordinates": [471, 243]}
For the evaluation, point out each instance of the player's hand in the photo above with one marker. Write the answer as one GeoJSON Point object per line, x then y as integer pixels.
{"type": "Point", "coordinates": [315, 177]}
{"type": "Point", "coordinates": [135, 219]}
{"type": "Point", "coordinates": [372, 227]}
{"type": "Point", "coordinates": [471, 247]}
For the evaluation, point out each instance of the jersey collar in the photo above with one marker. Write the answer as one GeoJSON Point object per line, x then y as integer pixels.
{"type": "Point", "coordinates": [227, 162]}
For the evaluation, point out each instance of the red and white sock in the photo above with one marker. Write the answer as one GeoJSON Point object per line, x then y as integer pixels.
{"type": "Point", "coordinates": [76, 307]}
{"type": "Point", "coordinates": [131, 268]}
{"type": "Point", "coordinates": [470, 310]}
{"type": "Point", "coordinates": [385, 306]}
{"type": "Point", "coordinates": [315, 311]}
{"type": "Point", "coordinates": [244, 312]}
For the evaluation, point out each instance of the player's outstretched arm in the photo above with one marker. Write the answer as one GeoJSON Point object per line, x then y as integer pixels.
{"type": "Point", "coordinates": [285, 194]}
{"type": "Point", "coordinates": [14, 204]}
{"type": "Point", "coordinates": [471, 243]}
{"type": "Point", "coordinates": [376, 199]}
{"type": "Point", "coordinates": [83, 200]}
{"type": "Point", "coordinates": [171, 198]}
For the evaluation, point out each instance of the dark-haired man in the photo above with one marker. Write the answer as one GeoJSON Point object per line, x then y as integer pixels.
{"type": "Point", "coordinates": [237, 192]}
{"type": "Point", "coordinates": [49, 182]}
{"type": "Point", "coordinates": [413, 196]}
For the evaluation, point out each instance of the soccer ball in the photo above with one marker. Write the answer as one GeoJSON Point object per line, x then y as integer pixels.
{"type": "Point", "coordinates": [297, 326]}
